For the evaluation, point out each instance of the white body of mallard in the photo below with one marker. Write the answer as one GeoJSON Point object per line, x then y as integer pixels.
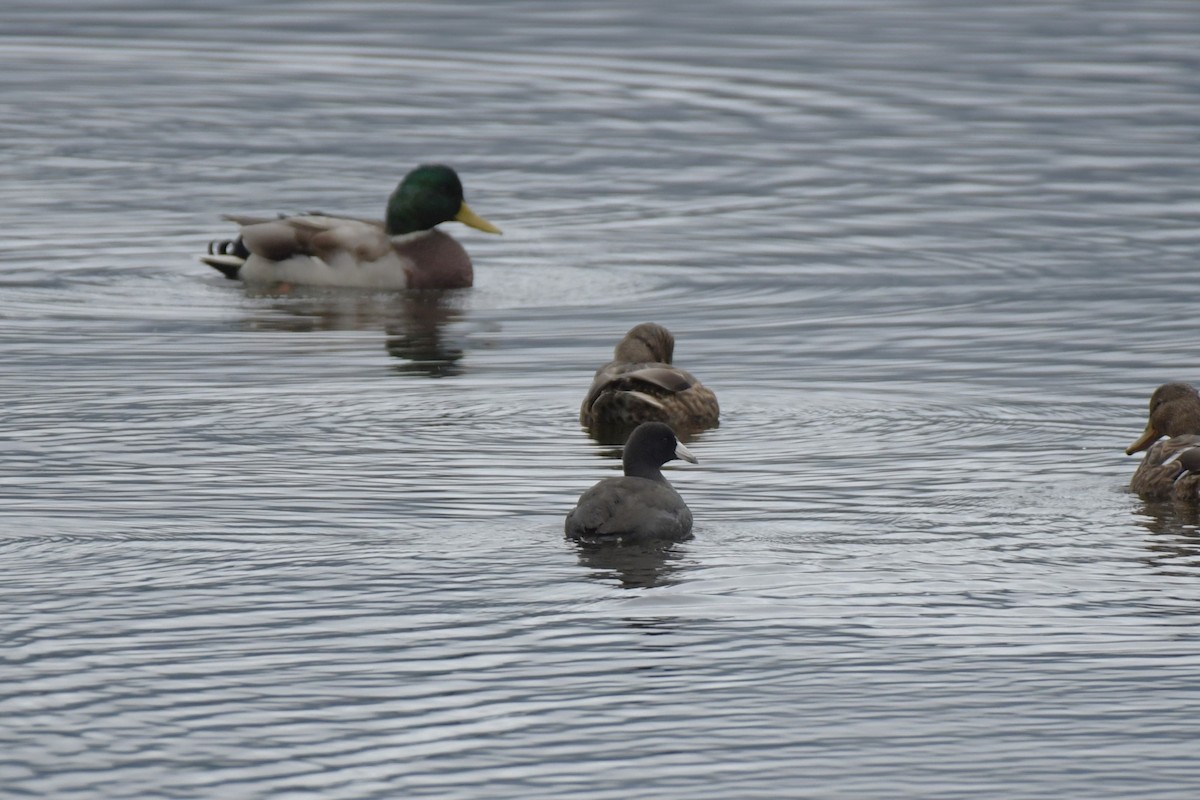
{"type": "Point", "coordinates": [406, 252]}
{"type": "Point", "coordinates": [322, 250]}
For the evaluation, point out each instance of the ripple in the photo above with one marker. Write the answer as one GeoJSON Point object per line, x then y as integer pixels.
{"type": "Point", "coordinates": [930, 260]}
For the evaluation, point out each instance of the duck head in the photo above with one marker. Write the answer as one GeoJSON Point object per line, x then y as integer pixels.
{"type": "Point", "coordinates": [429, 195]}
{"type": "Point", "coordinates": [1174, 411]}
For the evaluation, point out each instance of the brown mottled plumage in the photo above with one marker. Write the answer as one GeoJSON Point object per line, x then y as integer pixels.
{"type": "Point", "coordinates": [641, 385]}
{"type": "Point", "coordinates": [1187, 485]}
{"type": "Point", "coordinates": [1165, 470]}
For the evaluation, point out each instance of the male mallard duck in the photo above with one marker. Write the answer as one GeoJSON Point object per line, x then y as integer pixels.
{"type": "Point", "coordinates": [640, 385]}
{"type": "Point", "coordinates": [405, 251]}
{"type": "Point", "coordinates": [1174, 413]}
{"type": "Point", "coordinates": [641, 505]}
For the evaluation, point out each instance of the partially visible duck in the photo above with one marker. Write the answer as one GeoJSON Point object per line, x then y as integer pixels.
{"type": "Point", "coordinates": [641, 384]}
{"type": "Point", "coordinates": [642, 505]}
{"type": "Point", "coordinates": [1187, 482]}
{"type": "Point", "coordinates": [1174, 413]}
{"type": "Point", "coordinates": [406, 251]}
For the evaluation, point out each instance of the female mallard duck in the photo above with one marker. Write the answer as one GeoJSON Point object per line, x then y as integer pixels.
{"type": "Point", "coordinates": [641, 385]}
{"type": "Point", "coordinates": [1164, 472]}
{"type": "Point", "coordinates": [405, 251]}
{"type": "Point", "coordinates": [641, 505]}
{"type": "Point", "coordinates": [1187, 483]}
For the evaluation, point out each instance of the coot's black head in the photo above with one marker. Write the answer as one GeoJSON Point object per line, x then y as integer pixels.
{"type": "Point", "coordinates": [651, 445]}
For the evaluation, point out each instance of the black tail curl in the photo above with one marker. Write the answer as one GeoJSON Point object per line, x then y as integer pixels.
{"type": "Point", "coordinates": [228, 247]}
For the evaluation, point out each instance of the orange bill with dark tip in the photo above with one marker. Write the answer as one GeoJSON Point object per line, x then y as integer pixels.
{"type": "Point", "coordinates": [1148, 437]}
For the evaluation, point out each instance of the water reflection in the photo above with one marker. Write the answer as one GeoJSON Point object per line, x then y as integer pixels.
{"type": "Point", "coordinates": [614, 436]}
{"type": "Point", "coordinates": [414, 323]}
{"type": "Point", "coordinates": [1168, 516]}
{"type": "Point", "coordinates": [1174, 543]}
{"type": "Point", "coordinates": [418, 337]}
{"type": "Point", "coordinates": [636, 566]}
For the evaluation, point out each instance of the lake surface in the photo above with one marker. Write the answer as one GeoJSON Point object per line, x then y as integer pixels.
{"type": "Point", "coordinates": [932, 257]}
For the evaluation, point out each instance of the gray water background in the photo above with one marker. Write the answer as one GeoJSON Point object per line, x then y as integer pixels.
{"type": "Point", "coordinates": [932, 257]}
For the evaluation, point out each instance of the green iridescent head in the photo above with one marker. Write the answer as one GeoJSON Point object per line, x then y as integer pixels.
{"type": "Point", "coordinates": [429, 195]}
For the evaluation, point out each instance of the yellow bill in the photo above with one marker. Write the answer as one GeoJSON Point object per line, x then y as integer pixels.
{"type": "Point", "coordinates": [468, 217]}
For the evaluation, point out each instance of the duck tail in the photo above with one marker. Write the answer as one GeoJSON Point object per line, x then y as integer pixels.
{"type": "Point", "coordinates": [226, 256]}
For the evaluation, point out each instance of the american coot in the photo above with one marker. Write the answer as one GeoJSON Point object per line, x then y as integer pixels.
{"type": "Point", "coordinates": [642, 505]}
{"type": "Point", "coordinates": [641, 385]}
{"type": "Point", "coordinates": [405, 251]}
{"type": "Point", "coordinates": [1175, 413]}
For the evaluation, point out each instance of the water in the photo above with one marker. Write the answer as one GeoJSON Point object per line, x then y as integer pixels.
{"type": "Point", "coordinates": [932, 258]}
